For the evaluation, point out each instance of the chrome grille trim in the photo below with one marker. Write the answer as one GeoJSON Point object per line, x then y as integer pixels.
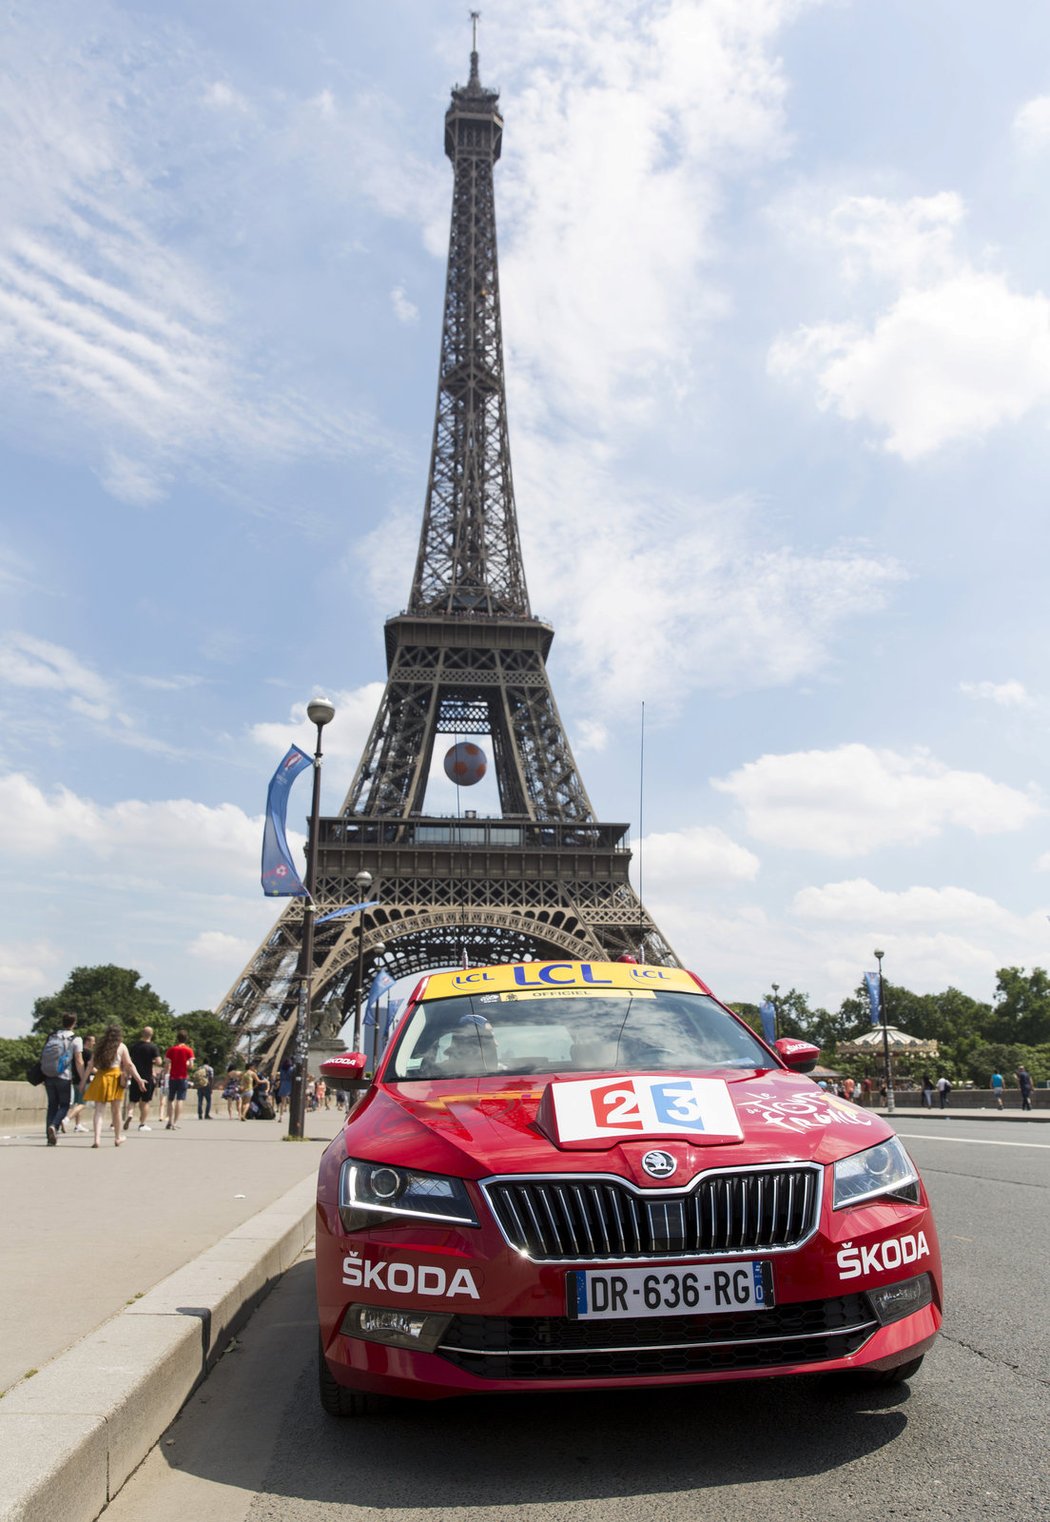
{"type": "Point", "coordinates": [723, 1212]}
{"type": "Point", "coordinates": [662, 1347]}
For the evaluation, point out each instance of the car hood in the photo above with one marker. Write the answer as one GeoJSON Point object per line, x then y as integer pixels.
{"type": "Point", "coordinates": [475, 1127]}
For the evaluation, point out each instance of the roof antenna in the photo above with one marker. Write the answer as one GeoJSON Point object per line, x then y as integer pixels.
{"type": "Point", "coordinates": [475, 17]}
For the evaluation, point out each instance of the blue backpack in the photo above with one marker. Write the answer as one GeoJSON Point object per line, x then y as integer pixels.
{"type": "Point", "coordinates": [56, 1060]}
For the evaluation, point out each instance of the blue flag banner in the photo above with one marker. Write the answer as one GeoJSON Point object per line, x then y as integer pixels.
{"type": "Point", "coordinates": [393, 1009]}
{"type": "Point", "coordinates": [872, 980]}
{"type": "Point", "coordinates": [279, 877]}
{"type": "Point", "coordinates": [768, 1013]}
{"type": "Point", "coordinates": [380, 983]}
{"type": "Point", "coordinates": [338, 914]}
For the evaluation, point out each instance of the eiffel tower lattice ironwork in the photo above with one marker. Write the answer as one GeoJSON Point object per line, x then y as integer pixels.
{"type": "Point", "coordinates": [545, 878]}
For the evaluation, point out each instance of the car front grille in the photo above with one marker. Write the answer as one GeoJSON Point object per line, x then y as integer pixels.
{"type": "Point", "coordinates": [553, 1347]}
{"type": "Point", "coordinates": [594, 1218]}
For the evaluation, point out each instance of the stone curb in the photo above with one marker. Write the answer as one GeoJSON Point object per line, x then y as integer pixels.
{"type": "Point", "coordinates": [1001, 1117]}
{"type": "Point", "coordinates": [71, 1435]}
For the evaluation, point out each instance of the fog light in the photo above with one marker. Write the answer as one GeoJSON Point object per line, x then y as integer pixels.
{"type": "Point", "coordinates": [896, 1300]}
{"type": "Point", "coordinates": [422, 1330]}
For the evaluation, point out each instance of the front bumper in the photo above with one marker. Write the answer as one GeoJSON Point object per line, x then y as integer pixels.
{"type": "Point", "coordinates": [503, 1322]}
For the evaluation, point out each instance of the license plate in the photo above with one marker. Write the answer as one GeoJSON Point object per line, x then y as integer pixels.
{"type": "Point", "coordinates": [594, 1294]}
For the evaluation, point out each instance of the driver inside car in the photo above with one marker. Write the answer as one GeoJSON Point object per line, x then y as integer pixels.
{"type": "Point", "coordinates": [472, 1050]}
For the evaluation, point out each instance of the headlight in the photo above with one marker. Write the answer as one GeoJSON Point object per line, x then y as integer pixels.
{"type": "Point", "coordinates": [376, 1194]}
{"type": "Point", "coordinates": [885, 1169]}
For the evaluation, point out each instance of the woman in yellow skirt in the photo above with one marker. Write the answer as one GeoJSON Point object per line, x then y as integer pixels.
{"type": "Point", "coordinates": [108, 1075]}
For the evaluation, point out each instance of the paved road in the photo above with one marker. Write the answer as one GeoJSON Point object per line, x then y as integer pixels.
{"type": "Point", "coordinates": [968, 1439]}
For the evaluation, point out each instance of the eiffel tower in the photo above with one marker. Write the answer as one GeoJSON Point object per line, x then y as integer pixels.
{"type": "Point", "coordinates": [544, 878]}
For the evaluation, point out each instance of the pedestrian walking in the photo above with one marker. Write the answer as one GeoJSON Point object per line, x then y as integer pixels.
{"type": "Point", "coordinates": [231, 1091]}
{"type": "Point", "coordinates": [997, 1089]}
{"type": "Point", "coordinates": [58, 1065]}
{"type": "Point", "coordinates": [865, 1090]}
{"type": "Point", "coordinates": [284, 1085]}
{"type": "Point", "coordinates": [944, 1089]}
{"type": "Point", "coordinates": [927, 1092]}
{"type": "Point", "coordinates": [76, 1109]}
{"type": "Point", "coordinates": [177, 1061]}
{"type": "Point", "coordinates": [1024, 1083]}
{"type": "Point", "coordinates": [145, 1056]}
{"type": "Point", "coordinates": [249, 1078]}
{"type": "Point", "coordinates": [110, 1071]}
{"type": "Point", "coordinates": [203, 1082]}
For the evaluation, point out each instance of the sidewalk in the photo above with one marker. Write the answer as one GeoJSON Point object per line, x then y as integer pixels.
{"type": "Point", "coordinates": [130, 1271]}
{"type": "Point", "coordinates": [86, 1232]}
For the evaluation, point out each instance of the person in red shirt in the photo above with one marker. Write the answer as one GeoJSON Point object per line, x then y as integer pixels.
{"type": "Point", "coordinates": [177, 1061]}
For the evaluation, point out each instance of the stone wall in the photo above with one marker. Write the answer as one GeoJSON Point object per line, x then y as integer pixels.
{"type": "Point", "coordinates": [22, 1105]}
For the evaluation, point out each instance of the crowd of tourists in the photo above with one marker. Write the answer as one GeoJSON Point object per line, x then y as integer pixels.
{"type": "Point", "coordinates": [123, 1082]}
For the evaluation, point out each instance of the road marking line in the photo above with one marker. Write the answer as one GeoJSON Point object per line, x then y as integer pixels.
{"type": "Point", "coordinates": [973, 1141]}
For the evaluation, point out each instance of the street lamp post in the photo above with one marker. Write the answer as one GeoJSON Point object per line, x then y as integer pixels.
{"type": "Point", "coordinates": [776, 1009]}
{"type": "Point", "coordinates": [320, 712]}
{"type": "Point", "coordinates": [364, 882]}
{"type": "Point", "coordinates": [890, 1106]}
{"type": "Point", "coordinates": [380, 956]}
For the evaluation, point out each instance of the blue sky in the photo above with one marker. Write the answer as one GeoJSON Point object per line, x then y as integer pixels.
{"type": "Point", "coordinates": [778, 357]}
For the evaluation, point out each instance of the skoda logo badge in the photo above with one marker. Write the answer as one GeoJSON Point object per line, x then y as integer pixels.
{"type": "Point", "coordinates": [659, 1164]}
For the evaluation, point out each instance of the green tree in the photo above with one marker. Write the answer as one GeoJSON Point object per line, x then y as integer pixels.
{"type": "Point", "coordinates": [16, 1053]}
{"type": "Point", "coordinates": [100, 996]}
{"type": "Point", "coordinates": [212, 1039]}
{"type": "Point", "coordinates": [1021, 1013]}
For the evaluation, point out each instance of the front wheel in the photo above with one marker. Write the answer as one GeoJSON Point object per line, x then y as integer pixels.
{"type": "Point", "coordinates": [880, 1379]}
{"type": "Point", "coordinates": [336, 1399]}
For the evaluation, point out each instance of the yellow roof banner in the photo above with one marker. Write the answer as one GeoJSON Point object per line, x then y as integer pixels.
{"type": "Point", "coordinates": [520, 977]}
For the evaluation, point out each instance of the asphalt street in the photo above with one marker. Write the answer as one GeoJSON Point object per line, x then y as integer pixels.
{"type": "Point", "coordinates": [968, 1438]}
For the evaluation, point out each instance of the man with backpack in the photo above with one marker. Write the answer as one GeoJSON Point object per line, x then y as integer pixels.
{"type": "Point", "coordinates": [203, 1082]}
{"type": "Point", "coordinates": [60, 1064]}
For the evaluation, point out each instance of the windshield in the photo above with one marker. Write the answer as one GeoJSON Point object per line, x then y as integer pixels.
{"type": "Point", "coordinates": [571, 1030]}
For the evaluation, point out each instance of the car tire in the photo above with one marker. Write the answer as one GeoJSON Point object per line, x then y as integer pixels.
{"type": "Point", "coordinates": [336, 1399]}
{"type": "Point", "coordinates": [882, 1379]}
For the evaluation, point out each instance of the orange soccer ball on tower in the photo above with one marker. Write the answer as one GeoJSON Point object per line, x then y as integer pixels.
{"type": "Point", "coordinates": [465, 763]}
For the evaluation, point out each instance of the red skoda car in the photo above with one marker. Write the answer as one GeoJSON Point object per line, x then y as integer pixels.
{"type": "Point", "coordinates": [584, 1175]}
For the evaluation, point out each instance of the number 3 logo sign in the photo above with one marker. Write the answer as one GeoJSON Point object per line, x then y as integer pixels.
{"type": "Point", "coordinates": [646, 1104]}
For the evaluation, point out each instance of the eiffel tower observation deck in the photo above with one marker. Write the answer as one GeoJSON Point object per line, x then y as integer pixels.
{"type": "Point", "coordinates": [543, 879]}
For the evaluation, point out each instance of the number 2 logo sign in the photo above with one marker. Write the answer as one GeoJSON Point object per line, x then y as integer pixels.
{"type": "Point", "coordinates": [647, 1104]}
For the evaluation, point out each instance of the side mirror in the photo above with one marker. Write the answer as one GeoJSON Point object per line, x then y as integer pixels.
{"type": "Point", "coordinates": [346, 1072]}
{"type": "Point", "coordinates": [799, 1056]}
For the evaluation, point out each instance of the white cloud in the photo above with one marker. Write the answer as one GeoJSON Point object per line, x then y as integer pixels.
{"type": "Point", "coordinates": [132, 481]}
{"type": "Point", "coordinates": [404, 310]}
{"type": "Point", "coordinates": [861, 902]}
{"type": "Point", "coordinates": [946, 363]}
{"type": "Point", "coordinates": [41, 666]}
{"type": "Point", "coordinates": [1011, 694]}
{"type": "Point", "coordinates": [856, 799]}
{"type": "Point", "coordinates": [678, 596]}
{"type": "Point", "coordinates": [144, 835]}
{"type": "Point", "coordinates": [217, 946]}
{"type": "Point", "coordinates": [956, 352]}
{"type": "Point", "coordinates": [649, 111]}
{"type": "Point", "coordinates": [224, 97]}
{"type": "Point", "coordinates": [135, 877]}
{"type": "Point", "coordinates": [34, 666]}
{"type": "Point", "coordinates": [1031, 125]}
{"type": "Point", "coordinates": [343, 739]}
{"type": "Point", "coordinates": [905, 241]}
{"type": "Point", "coordinates": [133, 352]}
{"type": "Point", "coordinates": [679, 861]}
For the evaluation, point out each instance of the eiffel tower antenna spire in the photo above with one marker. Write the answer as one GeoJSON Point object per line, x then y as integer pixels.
{"type": "Point", "coordinates": [467, 660]}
